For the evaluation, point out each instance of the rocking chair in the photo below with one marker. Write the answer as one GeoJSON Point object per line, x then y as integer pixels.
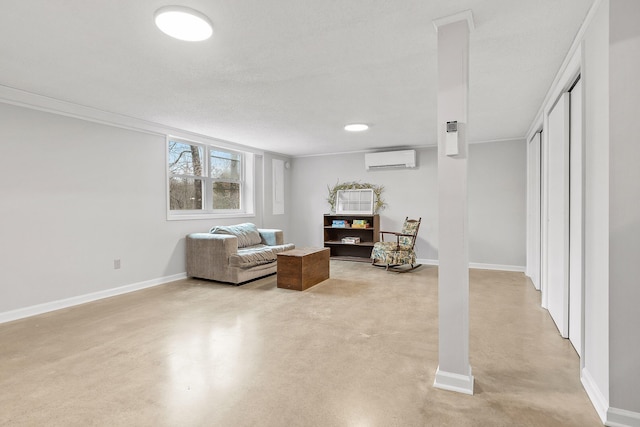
{"type": "Point", "coordinates": [395, 254]}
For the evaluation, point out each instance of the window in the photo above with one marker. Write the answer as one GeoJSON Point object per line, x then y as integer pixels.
{"type": "Point", "coordinates": [355, 201]}
{"type": "Point", "coordinates": [207, 181]}
{"type": "Point", "coordinates": [225, 170]}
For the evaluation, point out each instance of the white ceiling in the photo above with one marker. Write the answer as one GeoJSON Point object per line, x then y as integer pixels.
{"type": "Point", "coordinates": [287, 75]}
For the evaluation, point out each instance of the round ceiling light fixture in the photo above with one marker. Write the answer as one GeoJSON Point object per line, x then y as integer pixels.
{"type": "Point", "coordinates": [183, 23]}
{"type": "Point", "coordinates": [356, 127]}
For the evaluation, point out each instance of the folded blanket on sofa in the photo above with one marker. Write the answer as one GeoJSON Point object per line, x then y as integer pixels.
{"type": "Point", "coordinates": [246, 233]}
{"type": "Point", "coordinates": [252, 256]}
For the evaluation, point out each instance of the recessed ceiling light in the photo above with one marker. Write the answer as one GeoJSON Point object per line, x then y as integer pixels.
{"type": "Point", "coordinates": [183, 23]}
{"type": "Point", "coordinates": [356, 127]}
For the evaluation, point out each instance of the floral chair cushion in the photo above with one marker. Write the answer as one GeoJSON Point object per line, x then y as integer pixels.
{"type": "Point", "coordinates": [409, 227]}
{"type": "Point", "coordinates": [386, 253]}
{"type": "Point", "coordinates": [399, 251]}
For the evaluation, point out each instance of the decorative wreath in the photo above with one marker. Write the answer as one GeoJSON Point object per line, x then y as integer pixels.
{"type": "Point", "coordinates": [354, 185]}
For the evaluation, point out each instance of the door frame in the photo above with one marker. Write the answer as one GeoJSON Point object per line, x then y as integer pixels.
{"type": "Point", "coordinates": [534, 214]}
{"type": "Point", "coordinates": [576, 216]}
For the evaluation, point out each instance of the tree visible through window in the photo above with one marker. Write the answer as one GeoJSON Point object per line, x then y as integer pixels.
{"type": "Point", "coordinates": [203, 178]}
{"type": "Point", "coordinates": [185, 166]}
{"type": "Point", "coordinates": [225, 170]}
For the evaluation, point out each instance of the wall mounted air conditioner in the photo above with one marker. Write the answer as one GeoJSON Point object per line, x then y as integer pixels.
{"type": "Point", "coordinates": [390, 159]}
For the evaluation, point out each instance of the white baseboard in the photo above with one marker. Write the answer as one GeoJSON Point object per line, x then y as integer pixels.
{"type": "Point", "coordinates": [622, 418]}
{"type": "Point", "coordinates": [34, 310]}
{"type": "Point", "coordinates": [612, 417]}
{"type": "Point", "coordinates": [479, 265]}
{"type": "Point", "coordinates": [599, 402]}
{"type": "Point", "coordinates": [454, 382]}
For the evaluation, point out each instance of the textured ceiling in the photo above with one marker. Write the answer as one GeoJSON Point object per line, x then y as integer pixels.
{"type": "Point", "coordinates": [287, 75]}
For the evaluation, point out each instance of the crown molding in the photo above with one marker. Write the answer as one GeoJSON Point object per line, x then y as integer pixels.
{"type": "Point", "coordinates": [465, 15]}
{"type": "Point", "coordinates": [22, 98]}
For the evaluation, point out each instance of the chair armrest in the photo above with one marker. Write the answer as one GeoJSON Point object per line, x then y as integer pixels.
{"type": "Point", "coordinates": [271, 236]}
{"type": "Point", "coordinates": [398, 235]}
{"type": "Point", "coordinates": [382, 233]}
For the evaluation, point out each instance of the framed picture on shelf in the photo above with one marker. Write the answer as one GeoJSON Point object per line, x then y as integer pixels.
{"type": "Point", "coordinates": [355, 201]}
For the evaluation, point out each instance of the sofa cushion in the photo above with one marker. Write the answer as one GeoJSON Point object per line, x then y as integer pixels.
{"type": "Point", "coordinates": [246, 233]}
{"type": "Point", "coordinates": [252, 256]}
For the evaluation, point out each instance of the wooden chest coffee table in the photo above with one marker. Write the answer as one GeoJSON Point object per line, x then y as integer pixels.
{"type": "Point", "coordinates": [301, 268]}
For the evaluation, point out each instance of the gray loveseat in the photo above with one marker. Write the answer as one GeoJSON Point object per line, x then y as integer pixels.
{"type": "Point", "coordinates": [234, 253]}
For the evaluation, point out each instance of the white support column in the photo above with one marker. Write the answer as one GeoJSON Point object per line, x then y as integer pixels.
{"type": "Point", "coordinates": [454, 370]}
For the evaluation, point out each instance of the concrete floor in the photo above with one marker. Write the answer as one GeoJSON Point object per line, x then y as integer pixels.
{"type": "Point", "coordinates": [360, 349]}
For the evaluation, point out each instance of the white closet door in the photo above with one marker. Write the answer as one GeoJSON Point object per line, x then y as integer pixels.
{"type": "Point", "coordinates": [576, 220]}
{"type": "Point", "coordinates": [557, 216]}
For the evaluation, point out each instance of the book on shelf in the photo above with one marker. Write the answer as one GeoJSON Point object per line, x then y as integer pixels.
{"type": "Point", "coordinates": [350, 240]}
{"type": "Point", "coordinates": [360, 223]}
{"type": "Point", "coordinates": [340, 223]}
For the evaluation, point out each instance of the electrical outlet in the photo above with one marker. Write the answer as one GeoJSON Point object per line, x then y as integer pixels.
{"type": "Point", "coordinates": [116, 264]}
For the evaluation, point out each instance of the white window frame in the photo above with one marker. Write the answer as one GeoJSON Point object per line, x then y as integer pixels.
{"type": "Point", "coordinates": [246, 182]}
{"type": "Point", "coordinates": [358, 201]}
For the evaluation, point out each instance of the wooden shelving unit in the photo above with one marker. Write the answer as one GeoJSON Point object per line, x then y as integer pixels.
{"type": "Point", "coordinates": [360, 252]}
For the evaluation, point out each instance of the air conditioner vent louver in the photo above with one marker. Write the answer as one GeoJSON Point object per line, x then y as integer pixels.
{"type": "Point", "coordinates": [398, 165]}
{"type": "Point", "coordinates": [390, 160]}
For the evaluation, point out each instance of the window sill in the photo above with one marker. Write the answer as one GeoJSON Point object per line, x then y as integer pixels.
{"type": "Point", "coordinates": [193, 216]}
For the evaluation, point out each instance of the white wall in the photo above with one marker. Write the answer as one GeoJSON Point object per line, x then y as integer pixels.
{"type": "Point", "coordinates": [624, 211]}
{"type": "Point", "coordinates": [408, 192]}
{"type": "Point", "coordinates": [596, 197]}
{"type": "Point", "coordinates": [74, 196]}
{"type": "Point", "coordinates": [497, 189]}
{"type": "Point", "coordinates": [77, 194]}
{"type": "Point", "coordinates": [497, 203]}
